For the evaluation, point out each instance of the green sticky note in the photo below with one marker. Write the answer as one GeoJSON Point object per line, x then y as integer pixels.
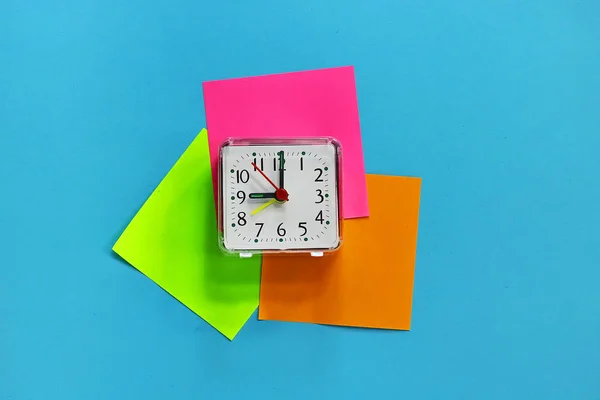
{"type": "Point", "coordinates": [173, 241]}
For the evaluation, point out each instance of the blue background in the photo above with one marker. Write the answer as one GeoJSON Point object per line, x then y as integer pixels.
{"type": "Point", "coordinates": [494, 104]}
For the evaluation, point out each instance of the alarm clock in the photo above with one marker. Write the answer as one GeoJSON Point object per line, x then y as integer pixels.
{"type": "Point", "coordinates": [279, 196]}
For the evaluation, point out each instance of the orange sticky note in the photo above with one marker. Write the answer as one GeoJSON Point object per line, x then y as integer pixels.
{"type": "Point", "coordinates": [368, 282]}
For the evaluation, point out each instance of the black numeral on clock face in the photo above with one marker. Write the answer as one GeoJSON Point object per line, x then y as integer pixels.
{"type": "Point", "coordinates": [260, 226]}
{"type": "Point", "coordinates": [242, 176]}
{"type": "Point", "coordinates": [281, 230]}
{"type": "Point", "coordinates": [302, 226]}
{"type": "Point", "coordinates": [262, 164]}
{"type": "Point", "coordinates": [319, 172]}
{"type": "Point", "coordinates": [241, 218]}
{"type": "Point", "coordinates": [241, 195]}
{"type": "Point", "coordinates": [320, 196]}
{"type": "Point", "coordinates": [319, 217]}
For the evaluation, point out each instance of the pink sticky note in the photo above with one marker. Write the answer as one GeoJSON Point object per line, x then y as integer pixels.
{"type": "Point", "coordinates": [299, 104]}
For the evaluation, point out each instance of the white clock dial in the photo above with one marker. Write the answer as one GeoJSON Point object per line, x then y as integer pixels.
{"type": "Point", "coordinates": [302, 214]}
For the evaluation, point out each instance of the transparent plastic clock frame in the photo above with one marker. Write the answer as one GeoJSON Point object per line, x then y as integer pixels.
{"type": "Point", "coordinates": [280, 196]}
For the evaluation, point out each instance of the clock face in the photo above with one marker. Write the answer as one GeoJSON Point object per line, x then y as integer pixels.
{"type": "Point", "coordinates": [280, 197]}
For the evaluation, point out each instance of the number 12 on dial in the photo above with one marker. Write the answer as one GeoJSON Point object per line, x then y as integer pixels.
{"type": "Point", "coordinates": [279, 196]}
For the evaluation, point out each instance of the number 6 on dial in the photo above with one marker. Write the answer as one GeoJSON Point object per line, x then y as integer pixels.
{"type": "Point", "coordinates": [291, 204]}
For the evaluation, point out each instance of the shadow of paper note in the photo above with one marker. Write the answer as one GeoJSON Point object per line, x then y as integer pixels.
{"type": "Point", "coordinates": [173, 241]}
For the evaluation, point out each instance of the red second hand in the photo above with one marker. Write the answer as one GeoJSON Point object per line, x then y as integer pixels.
{"type": "Point", "coordinates": [266, 177]}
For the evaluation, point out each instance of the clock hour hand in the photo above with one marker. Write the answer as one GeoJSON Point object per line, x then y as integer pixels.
{"type": "Point", "coordinates": [262, 195]}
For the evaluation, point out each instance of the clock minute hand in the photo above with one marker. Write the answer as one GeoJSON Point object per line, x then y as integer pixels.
{"type": "Point", "coordinates": [281, 169]}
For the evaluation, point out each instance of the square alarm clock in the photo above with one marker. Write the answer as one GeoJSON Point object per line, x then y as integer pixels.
{"type": "Point", "coordinates": [279, 196]}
